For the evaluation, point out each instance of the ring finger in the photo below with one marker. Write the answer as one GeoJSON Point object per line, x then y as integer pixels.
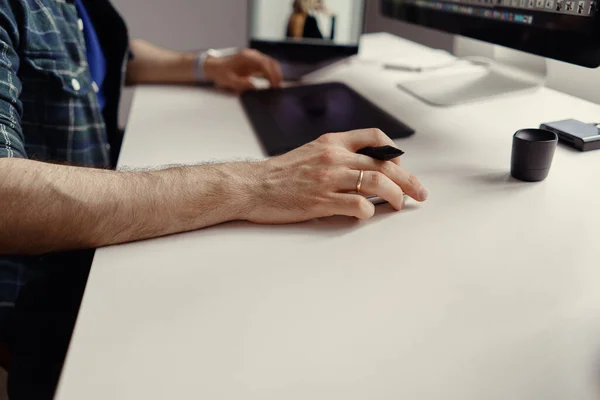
{"type": "Point", "coordinates": [407, 182]}
{"type": "Point", "coordinates": [374, 183]}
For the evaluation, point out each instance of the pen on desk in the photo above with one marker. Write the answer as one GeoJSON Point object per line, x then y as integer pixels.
{"type": "Point", "coordinates": [399, 67]}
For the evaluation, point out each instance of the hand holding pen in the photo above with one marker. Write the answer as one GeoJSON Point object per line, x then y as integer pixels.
{"type": "Point", "coordinates": [333, 175]}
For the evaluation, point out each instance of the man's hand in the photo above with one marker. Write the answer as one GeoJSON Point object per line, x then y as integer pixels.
{"type": "Point", "coordinates": [320, 180]}
{"type": "Point", "coordinates": [234, 72]}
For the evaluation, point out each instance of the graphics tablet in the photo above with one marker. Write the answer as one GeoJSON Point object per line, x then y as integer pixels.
{"type": "Point", "coordinates": [285, 119]}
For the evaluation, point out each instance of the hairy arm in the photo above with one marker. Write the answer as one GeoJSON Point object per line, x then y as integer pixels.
{"type": "Point", "coordinates": [154, 64]}
{"type": "Point", "coordinates": [53, 207]}
{"type": "Point", "coordinates": [50, 207]}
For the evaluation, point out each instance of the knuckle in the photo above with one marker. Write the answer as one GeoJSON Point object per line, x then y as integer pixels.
{"type": "Point", "coordinates": [375, 178]}
{"type": "Point", "coordinates": [364, 208]}
{"type": "Point", "coordinates": [357, 202]}
{"type": "Point", "coordinates": [414, 180]}
{"type": "Point", "coordinates": [376, 132]}
{"type": "Point", "coordinates": [327, 138]}
{"type": "Point", "coordinates": [382, 136]}
{"type": "Point", "coordinates": [328, 156]}
{"type": "Point", "coordinates": [387, 168]}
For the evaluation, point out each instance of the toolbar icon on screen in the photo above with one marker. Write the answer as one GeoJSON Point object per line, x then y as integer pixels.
{"type": "Point", "coordinates": [569, 6]}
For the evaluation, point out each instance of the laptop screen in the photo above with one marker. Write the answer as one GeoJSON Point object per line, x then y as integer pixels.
{"type": "Point", "coordinates": [314, 22]}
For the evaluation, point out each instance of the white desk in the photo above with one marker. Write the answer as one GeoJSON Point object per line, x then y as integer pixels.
{"type": "Point", "coordinates": [490, 290]}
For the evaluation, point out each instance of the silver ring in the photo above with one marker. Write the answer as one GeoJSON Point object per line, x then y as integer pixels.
{"type": "Point", "coordinates": [360, 181]}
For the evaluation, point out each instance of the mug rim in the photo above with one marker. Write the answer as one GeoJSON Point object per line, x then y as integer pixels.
{"type": "Point", "coordinates": [536, 131]}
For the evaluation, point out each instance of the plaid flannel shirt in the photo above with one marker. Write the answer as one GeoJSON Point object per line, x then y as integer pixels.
{"type": "Point", "coordinates": [48, 106]}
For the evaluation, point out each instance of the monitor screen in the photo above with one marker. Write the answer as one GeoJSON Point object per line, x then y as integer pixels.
{"type": "Point", "coordinates": [565, 30]}
{"type": "Point", "coordinates": [312, 22]}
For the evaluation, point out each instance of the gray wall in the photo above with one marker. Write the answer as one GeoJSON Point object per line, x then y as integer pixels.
{"type": "Point", "coordinates": [195, 24]}
{"type": "Point", "coordinates": [186, 24]}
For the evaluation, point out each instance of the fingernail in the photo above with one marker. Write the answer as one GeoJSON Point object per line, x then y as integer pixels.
{"type": "Point", "coordinates": [423, 194]}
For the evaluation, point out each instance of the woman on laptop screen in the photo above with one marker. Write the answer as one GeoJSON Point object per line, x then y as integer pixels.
{"type": "Point", "coordinates": [303, 23]}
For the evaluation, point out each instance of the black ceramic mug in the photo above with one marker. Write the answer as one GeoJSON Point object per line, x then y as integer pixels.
{"type": "Point", "coordinates": [532, 154]}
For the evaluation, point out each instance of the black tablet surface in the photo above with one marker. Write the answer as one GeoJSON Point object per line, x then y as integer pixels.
{"type": "Point", "coordinates": [285, 119]}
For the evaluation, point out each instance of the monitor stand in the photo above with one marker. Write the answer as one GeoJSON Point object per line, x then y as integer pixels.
{"type": "Point", "coordinates": [508, 71]}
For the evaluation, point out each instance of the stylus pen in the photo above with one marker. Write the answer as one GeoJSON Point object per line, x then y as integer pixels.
{"type": "Point", "coordinates": [383, 153]}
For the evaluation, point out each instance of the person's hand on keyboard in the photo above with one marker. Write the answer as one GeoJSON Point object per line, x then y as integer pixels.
{"type": "Point", "coordinates": [326, 178]}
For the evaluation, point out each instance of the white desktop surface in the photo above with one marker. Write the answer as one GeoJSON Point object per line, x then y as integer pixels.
{"type": "Point", "coordinates": [489, 290]}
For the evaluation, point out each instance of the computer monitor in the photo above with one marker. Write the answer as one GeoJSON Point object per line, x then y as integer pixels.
{"type": "Point", "coordinates": [566, 30]}
{"type": "Point", "coordinates": [306, 33]}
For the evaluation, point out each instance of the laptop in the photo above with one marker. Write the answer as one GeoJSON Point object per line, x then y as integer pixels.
{"type": "Point", "coordinates": [306, 35]}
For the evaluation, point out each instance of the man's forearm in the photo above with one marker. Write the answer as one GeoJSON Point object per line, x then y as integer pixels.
{"type": "Point", "coordinates": [50, 207]}
{"type": "Point", "coordinates": [153, 64]}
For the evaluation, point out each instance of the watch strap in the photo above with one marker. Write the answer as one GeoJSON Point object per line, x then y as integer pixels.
{"type": "Point", "coordinates": [216, 53]}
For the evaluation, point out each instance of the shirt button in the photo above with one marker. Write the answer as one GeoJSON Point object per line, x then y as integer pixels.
{"type": "Point", "coordinates": [95, 86]}
{"type": "Point", "coordinates": [80, 24]}
{"type": "Point", "coordinates": [107, 147]}
{"type": "Point", "coordinates": [76, 85]}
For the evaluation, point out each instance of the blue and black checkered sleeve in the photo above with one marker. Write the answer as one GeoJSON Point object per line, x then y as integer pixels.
{"type": "Point", "coordinates": [11, 133]}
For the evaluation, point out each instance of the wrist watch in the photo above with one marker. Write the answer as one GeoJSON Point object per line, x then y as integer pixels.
{"type": "Point", "coordinates": [211, 53]}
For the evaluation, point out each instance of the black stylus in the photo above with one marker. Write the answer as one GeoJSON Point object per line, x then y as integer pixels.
{"type": "Point", "coordinates": [384, 153]}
